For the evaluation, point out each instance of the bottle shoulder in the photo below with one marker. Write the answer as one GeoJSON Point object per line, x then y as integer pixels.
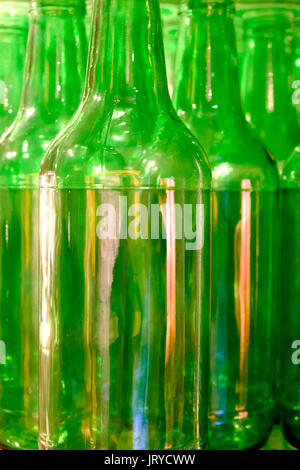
{"type": "Point", "coordinates": [236, 155]}
{"type": "Point", "coordinates": [120, 151]}
{"type": "Point", "coordinates": [235, 166]}
{"type": "Point", "coordinates": [22, 148]}
{"type": "Point", "coordinates": [290, 177]}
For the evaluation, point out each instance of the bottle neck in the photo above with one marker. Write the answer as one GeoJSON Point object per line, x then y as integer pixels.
{"type": "Point", "coordinates": [207, 71]}
{"type": "Point", "coordinates": [55, 59]}
{"type": "Point", "coordinates": [126, 61]}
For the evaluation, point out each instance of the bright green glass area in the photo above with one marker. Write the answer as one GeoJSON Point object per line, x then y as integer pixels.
{"type": "Point", "coordinates": [290, 294]}
{"type": "Point", "coordinates": [170, 21]}
{"type": "Point", "coordinates": [53, 82]}
{"type": "Point", "coordinates": [124, 320]}
{"type": "Point", "coordinates": [13, 37]}
{"type": "Point", "coordinates": [244, 235]}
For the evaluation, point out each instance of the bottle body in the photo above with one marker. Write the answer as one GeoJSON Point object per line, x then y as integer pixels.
{"type": "Point", "coordinates": [290, 292]}
{"type": "Point", "coordinates": [241, 411]}
{"type": "Point", "coordinates": [121, 368]}
{"type": "Point", "coordinates": [13, 37]}
{"type": "Point", "coordinates": [40, 117]}
{"type": "Point", "coordinates": [126, 356]}
{"type": "Point", "coordinates": [19, 307]}
{"type": "Point", "coordinates": [244, 205]}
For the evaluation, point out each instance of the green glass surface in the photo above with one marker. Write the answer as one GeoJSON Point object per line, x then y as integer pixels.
{"type": "Point", "coordinates": [290, 295]}
{"type": "Point", "coordinates": [267, 78]}
{"type": "Point", "coordinates": [170, 22]}
{"type": "Point", "coordinates": [13, 37]}
{"type": "Point", "coordinates": [124, 319]}
{"type": "Point", "coordinates": [88, 16]}
{"type": "Point", "coordinates": [244, 237]}
{"type": "Point", "coordinates": [53, 83]}
{"type": "Point", "coordinates": [296, 62]}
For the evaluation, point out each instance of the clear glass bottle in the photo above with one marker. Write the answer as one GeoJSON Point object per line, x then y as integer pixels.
{"type": "Point", "coordinates": [244, 211]}
{"type": "Point", "coordinates": [13, 38]}
{"type": "Point", "coordinates": [125, 308]}
{"type": "Point", "coordinates": [53, 83]}
{"type": "Point", "coordinates": [290, 297]}
{"type": "Point", "coordinates": [267, 77]}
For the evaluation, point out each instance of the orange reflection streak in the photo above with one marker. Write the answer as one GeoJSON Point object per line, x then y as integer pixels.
{"type": "Point", "coordinates": [171, 274]}
{"type": "Point", "coordinates": [89, 273]}
{"type": "Point", "coordinates": [243, 281]}
{"type": "Point", "coordinates": [169, 214]}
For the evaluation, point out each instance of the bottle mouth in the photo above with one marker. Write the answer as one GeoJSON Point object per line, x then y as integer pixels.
{"type": "Point", "coordinates": [192, 7]}
{"type": "Point", "coordinates": [266, 21]}
{"type": "Point", "coordinates": [58, 4]}
{"type": "Point", "coordinates": [244, 5]}
{"type": "Point", "coordinates": [280, 12]}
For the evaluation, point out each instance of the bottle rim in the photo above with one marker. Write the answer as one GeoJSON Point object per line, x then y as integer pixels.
{"type": "Point", "coordinates": [242, 7]}
{"type": "Point", "coordinates": [260, 20]}
{"type": "Point", "coordinates": [256, 6]}
{"type": "Point", "coordinates": [57, 4]}
{"type": "Point", "coordinates": [204, 7]}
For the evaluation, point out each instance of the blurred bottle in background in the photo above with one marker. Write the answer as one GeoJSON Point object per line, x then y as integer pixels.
{"type": "Point", "coordinates": [244, 213]}
{"type": "Point", "coordinates": [13, 38]}
{"type": "Point", "coordinates": [267, 76]}
{"type": "Point", "coordinates": [53, 83]}
{"type": "Point", "coordinates": [170, 22]}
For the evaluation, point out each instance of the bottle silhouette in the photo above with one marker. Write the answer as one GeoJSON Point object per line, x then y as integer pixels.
{"type": "Point", "coordinates": [125, 292]}
{"type": "Point", "coordinates": [244, 180]}
{"type": "Point", "coordinates": [53, 82]}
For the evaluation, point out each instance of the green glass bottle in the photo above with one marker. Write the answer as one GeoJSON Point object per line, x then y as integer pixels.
{"type": "Point", "coordinates": [88, 16]}
{"type": "Point", "coordinates": [239, 34]}
{"type": "Point", "coordinates": [290, 295]}
{"type": "Point", "coordinates": [125, 292]}
{"type": "Point", "coordinates": [244, 180]}
{"type": "Point", "coordinates": [170, 22]}
{"type": "Point", "coordinates": [53, 83]}
{"type": "Point", "coordinates": [13, 37]}
{"type": "Point", "coordinates": [267, 78]}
